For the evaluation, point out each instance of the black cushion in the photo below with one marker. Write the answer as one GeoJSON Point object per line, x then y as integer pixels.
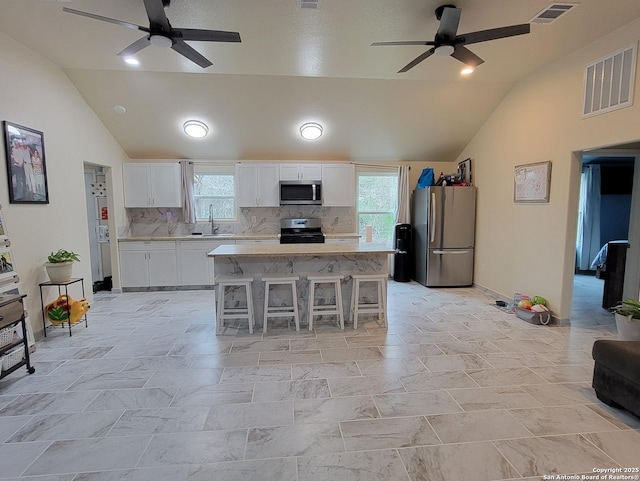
{"type": "Point", "coordinates": [623, 357]}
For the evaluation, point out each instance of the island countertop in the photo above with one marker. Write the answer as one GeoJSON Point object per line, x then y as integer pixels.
{"type": "Point", "coordinates": [273, 250]}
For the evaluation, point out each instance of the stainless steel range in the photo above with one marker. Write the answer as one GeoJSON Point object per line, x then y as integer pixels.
{"type": "Point", "coordinates": [301, 231]}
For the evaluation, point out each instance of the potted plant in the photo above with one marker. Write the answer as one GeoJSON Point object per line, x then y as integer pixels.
{"type": "Point", "coordinates": [60, 265]}
{"type": "Point", "coordinates": [628, 320]}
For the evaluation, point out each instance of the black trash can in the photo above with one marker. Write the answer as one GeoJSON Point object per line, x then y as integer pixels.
{"type": "Point", "coordinates": [402, 257]}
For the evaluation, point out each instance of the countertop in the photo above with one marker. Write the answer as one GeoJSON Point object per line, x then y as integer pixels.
{"type": "Point", "coordinates": [234, 237]}
{"type": "Point", "coordinates": [275, 250]}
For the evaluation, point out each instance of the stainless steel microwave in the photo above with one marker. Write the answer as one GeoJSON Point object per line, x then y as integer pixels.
{"type": "Point", "coordinates": [300, 192]}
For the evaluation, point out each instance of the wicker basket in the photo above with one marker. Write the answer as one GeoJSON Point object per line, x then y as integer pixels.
{"type": "Point", "coordinates": [6, 336]}
{"type": "Point", "coordinates": [12, 358]}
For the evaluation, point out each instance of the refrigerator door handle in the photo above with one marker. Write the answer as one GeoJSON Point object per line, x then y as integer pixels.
{"type": "Point", "coordinates": [466, 251]}
{"type": "Point", "coordinates": [432, 227]}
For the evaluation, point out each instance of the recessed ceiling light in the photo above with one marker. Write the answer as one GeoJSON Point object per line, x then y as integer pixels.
{"type": "Point", "coordinates": [311, 131]}
{"type": "Point", "coordinates": [467, 71]}
{"type": "Point", "coordinates": [132, 61]}
{"type": "Point", "coordinates": [195, 128]}
{"type": "Point", "coordinates": [119, 109]}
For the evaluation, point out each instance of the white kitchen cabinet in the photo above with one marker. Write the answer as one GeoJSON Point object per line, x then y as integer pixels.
{"type": "Point", "coordinates": [257, 185]}
{"type": "Point", "coordinates": [338, 185]}
{"type": "Point", "coordinates": [152, 185]}
{"type": "Point", "coordinates": [196, 268]}
{"type": "Point", "coordinates": [148, 264]}
{"type": "Point", "coordinates": [300, 171]}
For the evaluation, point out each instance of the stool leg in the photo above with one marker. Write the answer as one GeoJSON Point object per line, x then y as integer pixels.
{"type": "Point", "coordinates": [296, 316]}
{"type": "Point", "coordinates": [383, 288]}
{"type": "Point", "coordinates": [353, 299]}
{"type": "Point", "coordinates": [219, 308]}
{"type": "Point", "coordinates": [266, 306]}
{"type": "Point", "coordinates": [339, 304]}
{"type": "Point", "coordinates": [356, 296]}
{"type": "Point", "coordinates": [250, 307]}
{"type": "Point", "coordinates": [311, 300]}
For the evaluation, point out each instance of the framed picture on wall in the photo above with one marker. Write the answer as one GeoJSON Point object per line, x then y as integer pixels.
{"type": "Point", "coordinates": [26, 167]}
{"type": "Point", "coordinates": [6, 264]}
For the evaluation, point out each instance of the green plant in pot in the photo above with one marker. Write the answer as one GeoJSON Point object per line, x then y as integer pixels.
{"type": "Point", "coordinates": [628, 319]}
{"type": "Point", "coordinates": [60, 265]}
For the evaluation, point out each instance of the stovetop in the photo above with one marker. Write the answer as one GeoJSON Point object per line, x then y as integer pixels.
{"type": "Point", "coordinates": [299, 231]}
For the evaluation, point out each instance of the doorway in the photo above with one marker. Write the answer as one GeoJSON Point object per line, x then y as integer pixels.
{"type": "Point", "coordinates": [604, 216]}
{"type": "Point", "coordinates": [98, 230]}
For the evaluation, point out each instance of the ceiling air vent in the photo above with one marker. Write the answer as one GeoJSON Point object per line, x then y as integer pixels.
{"type": "Point", "coordinates": [608, 82]}
{"type": "Point", "coordinates": [309, 4]}
{"type": "Point", "coordinates": [552, 12]}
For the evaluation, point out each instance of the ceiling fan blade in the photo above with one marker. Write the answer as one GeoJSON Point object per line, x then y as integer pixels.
{"type": "Point", "coordinates": [105, 19]}
{"type": "Point", "coordinates": [135, 47]}
{"type": "Point", "coordinates": [493, 34]}
{"type": "Point", "coordinates": [190, 53]}
{"type": "Point", "coordinates": [416, 42]}
{"type": "Point", "coordinates": [449, 24]}
{"type": "Point", "coordinates": [417, 60]}
{"type": "Point", "coordinates": [466, 56]}
{"type": "Point", "coordinates": [157, 17]}
{"type": "Point", "coordinates": [206, 35]}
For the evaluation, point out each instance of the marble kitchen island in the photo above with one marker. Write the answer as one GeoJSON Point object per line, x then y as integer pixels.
{"type": "Point", "coordinates": [299, 259]}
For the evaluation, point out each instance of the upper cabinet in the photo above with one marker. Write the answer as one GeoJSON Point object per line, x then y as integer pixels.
{"type": "Point", "coordinates": [257, 185]}
{"type": "Point", "coordinates": [300, 171]}
{"type": "Point", "coordinates": [338, 185]}
{"type": "Point", "coordinates": [152, 185]}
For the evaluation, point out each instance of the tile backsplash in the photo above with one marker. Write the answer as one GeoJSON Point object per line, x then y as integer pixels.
{"type": "Point", "coordinates": [149, 222]}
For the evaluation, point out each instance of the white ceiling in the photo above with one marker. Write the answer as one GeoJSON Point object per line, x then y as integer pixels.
{"type": "Point", "coordinates": [295, 65]}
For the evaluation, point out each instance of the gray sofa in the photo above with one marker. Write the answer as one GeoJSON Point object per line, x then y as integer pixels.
{"type": "Point", "coordinates": [616, 374]}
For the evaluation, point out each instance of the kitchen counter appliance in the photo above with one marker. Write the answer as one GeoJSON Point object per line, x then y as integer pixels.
{"type": "Point", "coordinates": [300, 192]}
{"type": "Point", "coordinates": [301, 231]}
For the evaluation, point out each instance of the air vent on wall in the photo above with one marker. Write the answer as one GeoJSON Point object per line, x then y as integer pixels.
{"type": "Point", "coordinates": [309, 4]}
{"type": "Point", "coordinates": [608, 82]}
{"type": "Point", "coordinates": [552, 12]}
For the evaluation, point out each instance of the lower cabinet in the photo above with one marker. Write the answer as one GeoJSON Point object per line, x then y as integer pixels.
{"type": "Point", "coordinates": [196, 268]}
{"type": "Point", "coordinates": [148, 264]}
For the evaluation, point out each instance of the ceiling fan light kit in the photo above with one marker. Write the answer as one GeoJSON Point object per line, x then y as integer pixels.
{"type": "Point", "coordinates": [195, 129]}
{"type": "Point", "coordinates": [311, 131]}
{"type": "Point", "coordinates": [160, 33]}
{"type": "Point", "coordinates": [448, 42]}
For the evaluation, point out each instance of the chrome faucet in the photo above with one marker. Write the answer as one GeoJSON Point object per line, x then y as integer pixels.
{"type": "Point", "coordinates": [214, 229]}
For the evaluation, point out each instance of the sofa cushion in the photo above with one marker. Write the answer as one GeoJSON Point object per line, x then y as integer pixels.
{"type": "Point", "coordinates": [622, 357]}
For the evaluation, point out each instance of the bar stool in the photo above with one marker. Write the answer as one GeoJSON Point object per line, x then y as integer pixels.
{"type": "Point", "coordinates": [224, 313]}
{"type": "Point", "coordinates": [379, 307]}
{"type": "Point", "coordinates": [281, 311]}
{"type": "Point", "coordinates": [325, 309]}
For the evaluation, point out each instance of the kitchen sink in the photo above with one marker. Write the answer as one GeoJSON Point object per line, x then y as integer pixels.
{"type": "Point", "coordinates": [212, 235]}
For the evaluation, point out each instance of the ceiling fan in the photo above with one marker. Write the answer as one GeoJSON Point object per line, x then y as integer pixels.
{"type": "Point", "coordinates": [162, 34]}
{"type": "Point", "coordinates": [448, 42]}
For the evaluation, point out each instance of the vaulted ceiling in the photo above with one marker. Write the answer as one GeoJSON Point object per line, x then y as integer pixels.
{"type": "Point", "coordinates": [295, 65]}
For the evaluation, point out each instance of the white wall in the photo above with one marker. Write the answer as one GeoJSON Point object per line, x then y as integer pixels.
{"type": "Point", "coordinates": [530, 248]}
{"type": "Point", "coordinates": [37, 94]}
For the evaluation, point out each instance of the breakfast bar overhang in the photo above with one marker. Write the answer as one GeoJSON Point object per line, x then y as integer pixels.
{"type": "Point", "coordinates": [258, 260]}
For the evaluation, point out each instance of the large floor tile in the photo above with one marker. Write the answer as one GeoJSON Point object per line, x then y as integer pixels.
{"type": "Point", "coordinates": [428, 381]}
{"type": "Point", "coordinates": [296, 440]}
{"type": "Point", "coordinates": [477, 461]}
{"type": "Point", "coordinates": [50, 427]}
{"type": "Point", "coordinates": [413, 404]}
{"type": "Point", "coordinates": [509, 376]}
{"type": "Point", "coordinates": [249, 415]}
{"type": "Point", "coordinates": [17, 457]}
{"type": "Point", "coordinates": [387, 433]}
{"type": "Point", "coordinates": [120, 399]}
{"type": "Point", "coordinates": [325, 370]}
{"type": "Point", "coordinates": [331, 410]}
{"type": "Point", "coordinates": [357, 386]}
{"type": "Point", "coordinates": [279, 469]}
{"type": "Point", "coordinates": [561, 420]}
{"type": "Point", "coordinates": [482, 398]}
{"type": "Point", "coordinates": [288, 390]}
{"type": "Point", "coordinates": [164, 473]}
{"type": "Point", "coordinates": [477, 426]}
{"type": "Point", "coordinates": [622, 446]}
{"type": "Point", "coordinates": [161, 420]}
{"type": "Point", "coordinates": [363, 466]}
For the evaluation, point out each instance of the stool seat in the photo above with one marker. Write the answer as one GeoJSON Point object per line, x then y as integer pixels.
{"type": "Point", "coordinates": [378, 307]}
{"type": "Point", "coordinates": [224, 313]}
{"type": "Point", "coordinates": [326, 309]}
{"type": "Point", "coordinates": [281, 311]}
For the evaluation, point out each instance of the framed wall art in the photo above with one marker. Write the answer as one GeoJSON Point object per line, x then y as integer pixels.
{"type": "Point", "coordinates": [6, 264]}
{"type": "Point", "coordinates": [26, 166]}
{"type": "Point", "coordinates": [532, 183]}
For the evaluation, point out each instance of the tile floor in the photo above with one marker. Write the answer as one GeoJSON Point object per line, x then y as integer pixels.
{"type": "Point", "coordinates": [454, 389]}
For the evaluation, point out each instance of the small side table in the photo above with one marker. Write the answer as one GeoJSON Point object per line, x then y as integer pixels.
{"type": "Point", "coordinates": [60, 285]}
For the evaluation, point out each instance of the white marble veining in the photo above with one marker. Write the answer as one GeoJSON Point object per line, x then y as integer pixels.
{"type": "Point", "coordinates": [433, 397]}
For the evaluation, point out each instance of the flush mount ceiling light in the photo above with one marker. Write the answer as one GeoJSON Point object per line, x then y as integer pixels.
{"type": "Point", "coordinates": [311, 131]}
{"type": "Point", "coordinates": [466, 71]}
{"type": "Point", "coordinates": [132, 61]}
{"type": "Point", "coordinates": [195, 128]}
{"type": "Point", "coordinates": [119, 109]}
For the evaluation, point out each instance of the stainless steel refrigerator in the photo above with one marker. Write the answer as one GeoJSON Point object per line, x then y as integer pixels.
{"type": "Point", "coordinates": [443, 220]}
